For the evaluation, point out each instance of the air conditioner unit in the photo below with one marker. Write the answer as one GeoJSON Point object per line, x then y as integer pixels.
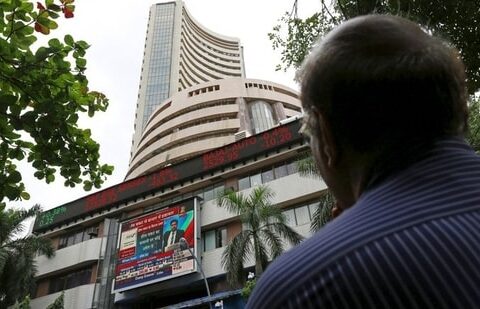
{"type": "Point", "coordinates": [241, 135]}
{"type": "Point", "coordinates": [290, 119]}
{"type": "Point", "coordinates": [92, 231]}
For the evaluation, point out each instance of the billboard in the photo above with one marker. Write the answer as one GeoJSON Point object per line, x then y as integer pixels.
{"type": "Point", "coordinates": [150, 246]}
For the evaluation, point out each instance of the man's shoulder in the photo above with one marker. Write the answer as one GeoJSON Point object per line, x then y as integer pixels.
{"type": "Point", "coordinates": [419, 264]}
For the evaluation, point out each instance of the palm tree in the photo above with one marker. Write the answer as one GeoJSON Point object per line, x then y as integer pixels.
{"type": "Point", "coordinates": [263, 234]}
{"type": "Point", "coordinates": [17, 254]}
{"type": "Point", "coordinates": [323, 214]}
{"type": "Point", "coordinates": [473, 136]}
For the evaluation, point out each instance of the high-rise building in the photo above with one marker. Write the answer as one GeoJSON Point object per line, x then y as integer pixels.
{"type": "Point", "coordinates": [204, 128]}
{"type": "Point", "coordinates": [180, 53]}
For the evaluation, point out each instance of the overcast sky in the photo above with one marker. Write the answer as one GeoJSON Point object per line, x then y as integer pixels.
{"type": "Point", "coordinates": [116, 29]}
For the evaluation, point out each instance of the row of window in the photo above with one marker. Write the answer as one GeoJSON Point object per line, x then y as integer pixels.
{"type": "Point", "coordinates": [268, 174]}
{"type": "Point", "coordinates": [188, 110]}
{"type": "Point", "coordinates": [302, 214]}
{"type": "Point", "coordinates": [206, 62]}
{"type": "Point", "coordinates": [212, 192]}
{"type": "Point", "coordinates": [182, 142]}
{"type": "Point", "coordinates": [208, 193]}
{"type": "Point", "coordinates": [261, 86]}
{"type": "Point", "coordinates": [70, 280]}
{"type": "Point", "coordinates": [204, 90]}
{"type": "Point", "coordinates": [209, 38]}
{"type": "Point", "coordinates": [212, 58]}
{"type": "Point", "coordinates": [76, 237]}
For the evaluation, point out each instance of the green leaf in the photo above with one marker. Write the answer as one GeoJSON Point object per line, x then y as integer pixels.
{"type": "Point", "coordinates": [82, 44]}
{"type": "Point", "coordinates": [24, 195]}
{"type": "Point", "coordinates": [54, 7]}
{"type": "Point", "coordinates": [50, 178]}
{"type": "Point", "coordinates": [42, 53]}
{"type": "Point", "coordinates": [15, 177]}
{"type": "Point", "coordinates": [81, 63]}
{"type": "Point", "coordinates": [55, 43]}
{"type": "Point", "coordinates": [69, 40]}
{"type": "Point", "coordinates": [39, 174]}
{"type": "Point", "coordinates": [11, 191]}
{"type": "Point", "coordinates": [52, 24]}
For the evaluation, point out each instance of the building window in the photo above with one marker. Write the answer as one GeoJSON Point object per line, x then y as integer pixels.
{"type": "Point", "coordinates": [256, 180]}
{"type": "Point", "coordinates": [281, 171]}
{"type": "Point", "coordinates": [244, 183]}
{"type": "Point", "coordinates": [214, 239]}
{"type": "Point", "coordinates": [78, 236]}
{"type": "Point", "coordinates": [212, 192]}
{"type": "Point", "coordinates": [262, 116]}
{"type": "Point", "coordinates": [267, 175]}
{"type": "Point", "coordinates": [290, 217]}
{"type": "Point", "coordinates": [301, 214]}
{"type": "Point", "coordinates": [70, 280]}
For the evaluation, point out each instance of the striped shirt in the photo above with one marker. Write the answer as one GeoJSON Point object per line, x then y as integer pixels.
{"type": "Point", "coordinates": [413, 241]}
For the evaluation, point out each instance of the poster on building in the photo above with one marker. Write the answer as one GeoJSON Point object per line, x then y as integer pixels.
{"type": "Point", "coordinates": [153, 247]}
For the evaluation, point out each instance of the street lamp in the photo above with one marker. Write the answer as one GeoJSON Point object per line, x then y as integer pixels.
{"type": "Point", "coordinates": [184, 243]}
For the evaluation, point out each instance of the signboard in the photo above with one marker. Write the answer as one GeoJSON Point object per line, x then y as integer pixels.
{"type": "Point", "coordinates": [151, 249]}
{"type": "Point", "coordinates": [216, 159]}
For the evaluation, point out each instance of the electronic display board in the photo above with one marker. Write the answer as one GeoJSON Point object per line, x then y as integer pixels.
{"type": "Point", "coordinates": [141, 186]}
{"type": "Point", "coordinates": [150, 249]}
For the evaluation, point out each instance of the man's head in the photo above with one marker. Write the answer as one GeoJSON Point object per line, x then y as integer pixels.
{"type": "Point", "coordinates": [173, 225]}
{"type": "Point", "coordinates": [375, 87]}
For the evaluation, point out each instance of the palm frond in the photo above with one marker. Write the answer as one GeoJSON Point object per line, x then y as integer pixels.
{"type": "Point", "coordinates": [274, 242]}
{"type": "Point", "coordinates": [286, 232]}
{"type": "Point", "coordinates": [323, 213]}
{"type": "Point", "coordinates": [271, 214]}
{"type": "Point", "coordinates": [4, 254]}
{"type": "Point", "coordinates": [261, 255]}
{"type": "Point", "coordinates": [306, 166]}
{"type": "Point", "coordinates": [17, 255]}
{"type": "Point", "coordinates": [232, 201]}
{"type": "Point", "coordinates": [261, 196]}
{"type": "Point", "coordinates": [11, 221]}
{"type": "Point", "coordinates": [235, 255]}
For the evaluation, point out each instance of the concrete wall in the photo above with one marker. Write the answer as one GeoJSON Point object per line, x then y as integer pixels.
{"type": "Point", "coordinates": [70, 256]}
{"type": "Point", "coordinates": [80, 297]}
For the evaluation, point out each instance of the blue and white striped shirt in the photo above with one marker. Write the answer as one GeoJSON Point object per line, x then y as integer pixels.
{"type": "Point", "coordinates": [412, 241]}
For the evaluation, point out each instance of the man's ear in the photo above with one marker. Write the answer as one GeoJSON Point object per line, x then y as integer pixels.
{"type": "Point", "coordinates": [328, 146]}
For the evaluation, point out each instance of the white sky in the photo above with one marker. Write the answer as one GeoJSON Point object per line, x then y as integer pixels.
{"type": "Point", "coordinates": [116, 29]}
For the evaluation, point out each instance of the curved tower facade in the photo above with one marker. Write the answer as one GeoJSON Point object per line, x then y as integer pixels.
{"type": "Point", "coordinates": [180, 53]}
{"type": "Point", "coordinates": [208, 116]}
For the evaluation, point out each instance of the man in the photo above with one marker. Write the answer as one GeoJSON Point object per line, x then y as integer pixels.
{"type": "Point", "coordinates": [385, 109]}
{"type": "Point", "coordinates": [173, 235]}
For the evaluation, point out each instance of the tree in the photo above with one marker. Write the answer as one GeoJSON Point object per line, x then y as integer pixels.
{"type": "Point", "coordinates": [263, 234]}
{"type": "Point", "coordinates": [455, 20]}
{"type": "Point", "coordinates": [42, 93]}
{"type": "Point", "coordinates": [473, 136]}
{"type": "Point", "coordinates": [323, 214]}
{"type": "Point", "coordinates": [17, 254]}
